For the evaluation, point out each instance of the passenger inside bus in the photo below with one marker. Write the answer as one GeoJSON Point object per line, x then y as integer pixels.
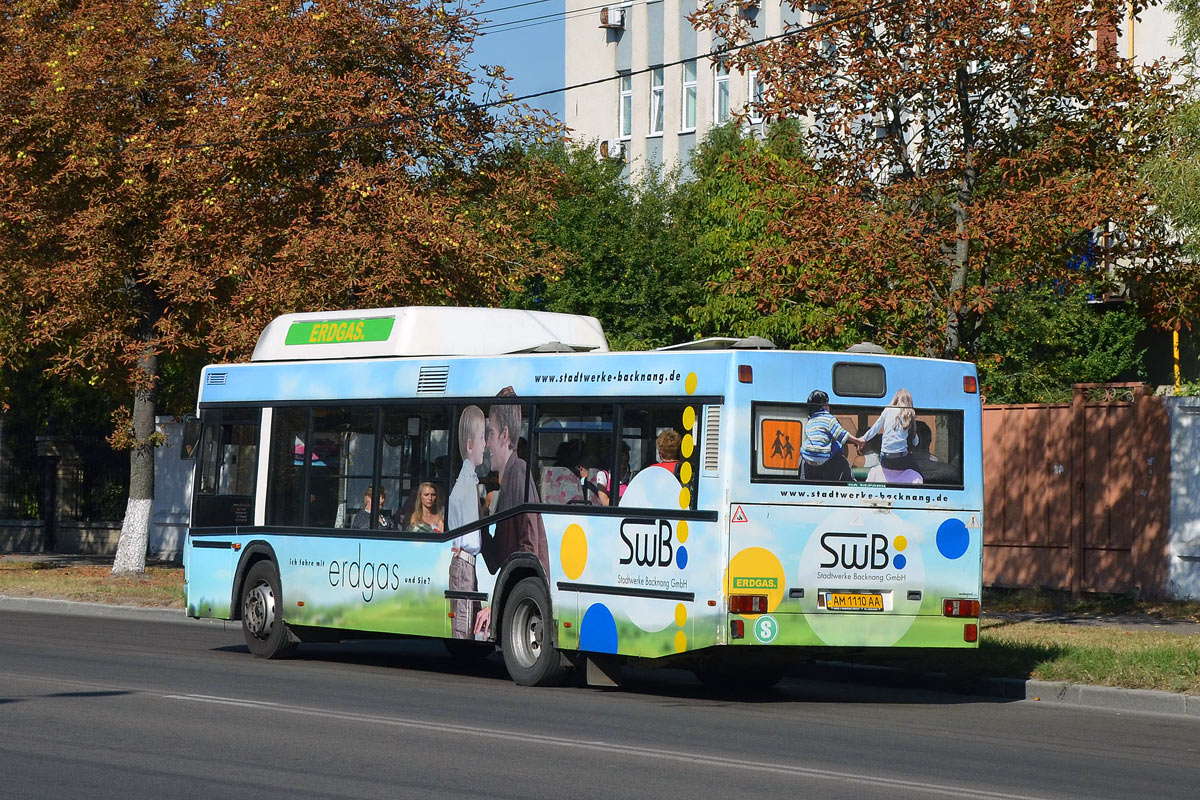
{"type": "Point", "coordinates": [427, 515]}
{"type": "Point", "coordinates": [604, 481]}
{"type": "Point", "coordinates": [362, 518]}
{"type": "Point", "coordinates": [667, 444]}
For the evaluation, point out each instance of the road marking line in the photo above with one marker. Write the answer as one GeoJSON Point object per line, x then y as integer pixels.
{"type": "Point", "coordinates": [608, 747]}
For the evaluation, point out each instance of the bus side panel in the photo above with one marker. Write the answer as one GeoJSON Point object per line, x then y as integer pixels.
{"type": "Point", "coordinates": [378, 585]}
{"type": "Point", "coordinates": [641, 585]}
{"type": "Point", "coordinates": [208, 576]}
{"type": "Point", "coordinates": [903, 562]}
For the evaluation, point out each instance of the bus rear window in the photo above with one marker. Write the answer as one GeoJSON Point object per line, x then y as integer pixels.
{"type": "Point", "coordinates": [922, 447]}
{"type": "Point", "coordinates": [859, 380]}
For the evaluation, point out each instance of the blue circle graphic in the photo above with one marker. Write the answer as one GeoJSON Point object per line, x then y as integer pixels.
{"type": "Point", "coordinates": [952, 538]}
{"type": "Point", "coordinates": [598, 630]}
{"type": "Point", "coordinates": [899, 562]}
{"type": "Point", "coordinates": [681, 557]}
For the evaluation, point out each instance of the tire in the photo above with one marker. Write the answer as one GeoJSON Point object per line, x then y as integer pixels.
{"type": "Point", "coordinates": [529, 656]}
{"type": "Point", "coordinates": [266, 633]}
{"type": "Point", "coordinates": [467, 650]}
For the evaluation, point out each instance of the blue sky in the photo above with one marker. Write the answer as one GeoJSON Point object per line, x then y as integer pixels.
{"type": "Point", "coordinates": [530, 49]}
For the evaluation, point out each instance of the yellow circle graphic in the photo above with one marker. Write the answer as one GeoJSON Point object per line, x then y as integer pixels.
{"type": "Point", "coordinates": [687, 445]}
{"type": "Point", "coordinates": [681, 531]}
{"type": "Point", "coordinates": [680, 642]}
{"type": "Point", "coordinates": [900, 543]}
{"type": "Point", "coordinates": [681, 615]}
{"type": "Point", "coordinates": [689, 385]}
{"type": "Point", "coordinates": [756, 570]}
{"type": "Point", "coordinates": [689, 418]}
{"type": "Point", "coordinates": [685, 497]}
{"type": "Point", "coordinates": [573, 552]}
{"type": "Point", "coordinates": [685, 472]}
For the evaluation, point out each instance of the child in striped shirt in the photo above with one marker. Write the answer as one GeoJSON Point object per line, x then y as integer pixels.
{"type": "Point", "coordinates": [821, 453]}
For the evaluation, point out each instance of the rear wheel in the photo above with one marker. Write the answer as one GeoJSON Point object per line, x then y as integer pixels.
{"type": "Point", "coordinates": [529, 655]}
{"type": "Point", "coordinates": [266, 633]}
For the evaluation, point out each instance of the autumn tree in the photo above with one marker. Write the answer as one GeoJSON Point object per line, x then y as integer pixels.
{"type": "Point", "coordinates": [174, 174]}
{"type": "Point", "coordinates": [621, 255]}
{"type": "Point", "coordinates": [961, 152]}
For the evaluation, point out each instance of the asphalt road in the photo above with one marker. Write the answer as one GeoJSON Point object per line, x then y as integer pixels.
{"type": "Point", "coordinates": [104, 708]}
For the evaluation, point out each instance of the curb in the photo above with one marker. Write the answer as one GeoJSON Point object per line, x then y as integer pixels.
{"type": "Point", "coordinates": [1145, 701]}
{"type": "Point", "coordinates": [44, 605]}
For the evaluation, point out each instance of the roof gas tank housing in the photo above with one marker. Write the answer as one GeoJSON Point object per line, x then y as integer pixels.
{"type": "Point", "coordinates": [425, 331]}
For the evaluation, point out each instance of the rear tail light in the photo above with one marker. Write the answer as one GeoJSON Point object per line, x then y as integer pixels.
{"type": "Point", "coordinates": [970, 384]}
{"type": "Point", "coordinates": [960, 608]}
{"type": "Point", "coordinates": [748, 603]}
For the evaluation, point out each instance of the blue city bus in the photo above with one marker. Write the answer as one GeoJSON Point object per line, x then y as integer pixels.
{"type": "Point", "coordinates": [500, 480]}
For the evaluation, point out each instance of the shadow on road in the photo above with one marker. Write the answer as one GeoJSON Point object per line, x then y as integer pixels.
{"type": "Point", "coordinates": [820, 682]}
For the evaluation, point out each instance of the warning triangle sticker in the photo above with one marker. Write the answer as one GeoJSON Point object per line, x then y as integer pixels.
{"type": "Point", "coordinates": [739, 515]}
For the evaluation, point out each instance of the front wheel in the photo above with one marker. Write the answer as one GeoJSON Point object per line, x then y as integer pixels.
{"type": "Point", "coordinates": [266, 633]}
{"type": "Point", "coordinates": [529, 655]}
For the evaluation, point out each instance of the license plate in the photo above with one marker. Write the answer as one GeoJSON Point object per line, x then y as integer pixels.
{"type": "Point", "coordinates": [854, 601]}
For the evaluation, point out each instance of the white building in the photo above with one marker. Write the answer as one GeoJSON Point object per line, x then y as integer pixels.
{"type": "Point", "coordinates": [655, 91]}
{"type": "Point", "coordinates": [666, 93]}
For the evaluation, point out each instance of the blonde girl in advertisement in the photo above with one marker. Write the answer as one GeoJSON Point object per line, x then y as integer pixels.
{"type": "Point", "coordinates": [895, 423]}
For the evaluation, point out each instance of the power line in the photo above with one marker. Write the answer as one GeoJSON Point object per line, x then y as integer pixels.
{"type": "Point", "coordinates": [501, 27]}
{"type": "Point", "coordinates": [510, 8]}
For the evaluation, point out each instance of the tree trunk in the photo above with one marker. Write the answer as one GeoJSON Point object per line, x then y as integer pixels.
{"type": "Point", "coordinates": [135, 529]}
{"type": "Point", "coordinates": [961, 260]}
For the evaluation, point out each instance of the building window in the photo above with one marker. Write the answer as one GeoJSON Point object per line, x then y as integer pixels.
{"type": "Point", "coordinates": [755, 93]}
{"type": "Point", "coordinates": [625, 112]}
{"type": "Point", "coordinates": [689, 96]}
{"type": "Point", "coordinates": [721, 95]}
{"type": "Point", "coordinates": [656, 101]}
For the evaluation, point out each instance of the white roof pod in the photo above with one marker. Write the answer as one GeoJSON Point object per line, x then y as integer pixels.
{"type": "Point", "coordinates": [425, 331]}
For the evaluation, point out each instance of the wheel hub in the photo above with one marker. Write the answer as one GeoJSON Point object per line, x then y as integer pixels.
{"type": "Point", "coordinates": [260, 610]}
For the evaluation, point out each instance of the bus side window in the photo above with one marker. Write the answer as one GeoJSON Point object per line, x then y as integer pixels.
{"type": "Point", "coordinates": [339, 463]}
{"type": "Point", "coordinates": [660, 437]}
{"type": "Point", "coordinates": [226, 468]}
{"type": "Point", "coordinates": [573, 452]}
{"type": "Point", "coordinates": [414, 468]}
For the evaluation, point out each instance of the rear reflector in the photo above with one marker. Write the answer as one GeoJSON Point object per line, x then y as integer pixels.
{"type": "Point", "coordinates": [748, 603]}
{"type": "Point", "coordinates": [970, 385]}
{"type": "Point", "coordinates": [971, 632]}
{"type": "Point", "coordinates": [737, 629]}
{"type": "Point", "coordinates": [960, 608]}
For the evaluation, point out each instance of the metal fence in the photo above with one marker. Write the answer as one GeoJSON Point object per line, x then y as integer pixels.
{"type": "Point", "coordinates": [1078, 496]}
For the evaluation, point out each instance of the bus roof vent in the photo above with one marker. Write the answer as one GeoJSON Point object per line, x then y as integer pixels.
{"type": "Point", "coordinates": [866, 347]}
{"type": "Point", "coordinates": [710, 343]}
{"type": "Point", "coordinates": [216, 378]}
{"type": "Point", "coordinates": [423, 331]}
{"type": "Point", "coordinates": [724, 343]}
{"type": "Point", "coordinates": [433, 380]}
{"type": "Point", "coordinates": [753, 343]}
{"type": "Point", "coordinates": [712, 438]}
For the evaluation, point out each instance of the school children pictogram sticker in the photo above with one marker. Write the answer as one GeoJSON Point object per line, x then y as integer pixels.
{"type": "Point", "coordinates": [739, 515]}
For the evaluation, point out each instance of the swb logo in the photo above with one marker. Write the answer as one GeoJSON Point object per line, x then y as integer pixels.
{"type": "Point", "coordinates": [856, 551]}
{"type": "Point", "coordinates": [648, 542]}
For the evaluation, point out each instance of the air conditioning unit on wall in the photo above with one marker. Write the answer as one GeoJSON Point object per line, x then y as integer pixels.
{"type": "Point", "coordinates": [612, 17]}
{"type": "Point", "coordinates": [612, 148]}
